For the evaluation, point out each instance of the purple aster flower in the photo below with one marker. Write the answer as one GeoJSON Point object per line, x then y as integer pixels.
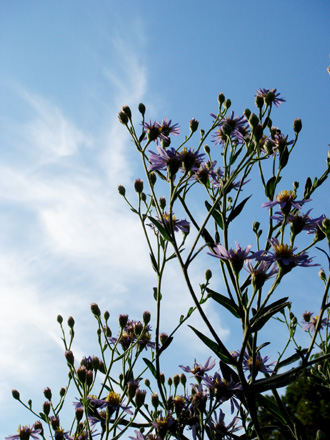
{"type": "Point", "coordinates": [60, 434]}
{"type": "Point", "coordinates": [219, 182]}
{"type": "Point", "coordinates": [198, 397]}
{"type": "Point", "coordinates": [220, 430]}
{"type": "Point", "coordinates": [163, 423]}
{"type": "Point", "coordinates": [233, 127]}
{"type": "Point", "coordinates": [198, 370]}
{"type": "Point", "coordinates": [165, 159]}
{"type": "Point", "coordinates": [280, 142]}
{"type": "Point", "coordinates": [286, 200]}
{"type": "Point", "coordinates": [112, 401]}
{"type": "Point", "coordinates": [260, 364]}
{"type": "Point", "coordinates": [191, 160]}
{"type": "Point", "coordinates": [205, 172]}
{"type": "Point", "coordinates": [161, 130]}
{"type": "Point", "coordinates": [236, 257]}
{"type": "Point", "coordinates": [261, 272]}
{"type": "Point", "coordinates": [140, 436]}
{"type": "Point", "coordinates": [285, 257]}
{"type": "Point", "coordinates": [270, 96]}
{"type": "Point", "coordinates": [24, 433]}
{"type": "Point", "coordinates": [300, 222]}
{"type": "Point", "coordinates": [223, 389]}
{"type": "Point", "coordinates": [181, 225]}
{"type": "Point", "coordinates": [311, 322]}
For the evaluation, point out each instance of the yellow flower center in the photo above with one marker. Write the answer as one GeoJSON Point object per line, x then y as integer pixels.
{"type": "Point", "coordinates": [284, 196]}
{"type": "Point", "coordinates": [113, 398]}
{"type": "Point", "coordinates": [283, 250]}
{"type": "Point", "coordinates": [166, 216]}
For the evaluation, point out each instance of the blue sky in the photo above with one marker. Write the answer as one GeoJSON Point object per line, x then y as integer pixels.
{"type": "Point", "coordinates": [67, 239]}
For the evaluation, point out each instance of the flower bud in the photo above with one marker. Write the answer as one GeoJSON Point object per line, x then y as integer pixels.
{"type": "Point", "coordinates": [142, 108]}
{"type": "Point", "coordinates": [146, 317]}
{"type": "Point", "coordinates": [70, 322]}
{"type": "Point", "coordinates": [322, 275]}
{"type": "Point", "coordinates": [227, 104]}
{"type": "Point", "coordinates": [253, 120]}
{"type": "Point", "coordinates": [140, 396]}
{"type": "Point", "coordinates": [62, 391]}
{"type": "Point", "coordinates": [106, 315]}
{"type": "Point", "coordinates": [101, 367]}
{"type": "Point", "coordinates": [259, 101]}
{"type": "Point", "coordinates": [59, 319]}
{"type": "Point", "coordinates": [138, 327]}
{"type": "Point", "coordinates": [255, 227]}
{"type": "Point", "coordinates": [163, 338]}
{"type": "Point", "coordinates": [143, 197]}
{"type": "Point", "coordinates": [95, 309]}
{"type": "Point", "coordinates": [227, 129]}
{"type": "Point", "coordinates": [162, 378]}
{"type": "Point", "coordinates": [208, 274]}
{"type": "Point", "coordinates": [295, 186]}
{"type": "Point", "coordinates": [82, 373]}
{"type": "Point", "coordinates": [69, 357]}
{"type": "Point", "coordinates": [123, 320]}
{"type": "Point", "coordinates": [15, 394]}
{"type": "Point", "coordinates": [206, 149]}
{"type": "Point", "coordinates": [138, 185]}
{"type": "Point", "coordinates": [326, 227]}
{"type": "Point", "coordinates": [147, 382]}
{"type": "Point", "coordinates": [152, 178]}
{"type": "Point", "coordinates": [48, 393]}
{"type": "Point", "coordinates": [162, 202]}
{"type": "Point", "coordinates": [79, 412]}
{"type": "Point", "coordinates": [176, 380]}
{"type": "Point", "coordinates": [183, 379]}
{"type": "Point", "coordinates": [122, 190]}
{"type": "Point", "coordinates": [221, 98]}
{"type": "Point", "coordinates": [127, 110]}
{"type": "Point", "coordinates": [297, 125]}
{"type": "Point", "coordinates": [155, 400]}
{"type": "Point", "coordinates": [193, 125]}
{"type": "Point", "coordinates": [247, 113]}
{"type": "Point", "coordinates": [108, 332]}
{"type": "Point", "coordinates": [89, 377]}
{"type": "Point", "coordinates": [55, 422]}
{"type": "Point", "coordinates": [123, 118]}
{"type": "Point", "coordinates": [270, 97]}
{"type": "Point", "coordinates": [46, 407]}
{"type": "Point", "coordinates": [38, 425]}
{"type": "Point", "coordinates": [169, 381]}
{"type": "Point", "coordinates": [258, 132]}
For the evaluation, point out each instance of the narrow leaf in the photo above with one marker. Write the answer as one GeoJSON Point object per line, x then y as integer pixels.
{"type": "Point", "coordinates": [160, 228]}
{"type": "Point", "coordinates": [151, 367]}
{"type": "Point", "coordinates": [215, 214]}
{"type": "Point", "coordinates": [224, 301]}
{"type": "Point", "coordinates": [236, 211]}
{"type": "Point", "coordinates": [272, 407]}
{"type": "Point", "coordinates": [219, 350]}
{"type": "Point", "coordinates": [270, 188]}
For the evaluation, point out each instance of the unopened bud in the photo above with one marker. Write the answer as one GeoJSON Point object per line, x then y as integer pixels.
{"type": "Point", "coordinates": [193, 125]}
{"type": "Point", "coordinates": [89, 377]}
{"type": "Point", "coordinates": [169, 381]}
{"type": "Point", "coordinates": [221, 98]}
{"type": "Point", "coordinates": [208, 274]}
{"type": "Point", "coordinates": [55, 422]}
{"type": "Point", "coordinates": [46, 407]}
{"type": "Point", "coordinates": [140, 396]}
{"type": "Point", "coordinates": [147, 382]}
{"type": "Point", "coordinates": [79, 412]}
{"type": "Point", "coordinates": [322, 275]}
{"type": "Point", "coordinates": [227, 104]}
{"type": "Point", "coordinates": [155, 400]}
{"type": "Point", "coordinates": [183, 379]}
{"type": "Point", "coordinates": [123, 320]}
{"type": "Point", "coordinates": [106, 315]}
{"type": "Point", "coordinates": [15, 394]}
{"type": "Point", "coordinates": [206, 149]}
{"type": "Point", "coordinates": [162, 202]}
{"type": "Point", "coordinates": [259, 101]}
{"type": "Point", "coordinates": [69, 357]}
{"type": "Point", "coordinates": [123, 118]}
{"type": "Point", "coordinates": [142, 108]}
{"type": "Point", "coordinates": [70, 322]}
{"type": "Point", "coordinates": [48, 393]}
{"type": "Point", "coordinates": [146, 317]}
{"type": "Point", "coordinates": [247, 113]}
{"type": "Point", "coordinates": [95, 309]}
{"type": "Point", "coordinates": [62, 392]}
{"type": "Point", "coordinates": [152, 178]}
{"type": "Point", "coordinates": [163, 338]}
{"type": "Point", "coordinates": [122, 190]}
{"type": "Point", "coordinates": [253, 120]}
{"type": "Point", "coordinates": [82, 373]}
{"type": "Point", "coordinates": [176, 380]}
{"type": "Point", "coordinates": [59, 319]}
{"type": "Point", "coordinates": [297, 125]}
{"type": "Point", "coordinates": [138, 185]}
{"type": "Point", "coordinates": [162, 378]}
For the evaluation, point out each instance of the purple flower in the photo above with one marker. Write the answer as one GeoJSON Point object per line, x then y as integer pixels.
{"type": "Point", "coordinates": [259, 365]}
{"type": "Point", "coordinates": [191, 160]}
{"type": "Point", "coordinates": [60, 434]}
{"type": "Point", "coordinates": [236, 257]}
{"type": "Point", "coordinates": [198, 370]}
{"type": "Point", "coordinates": [259, 273]}
{"type": "Point", "coordinates": [205, 172]}
{"type": "Point", "coordinates": [270, 96]}
{"type": "Point", "coordinates": [233, 127]}
{"type": "Point", "coordinates": [284, 256]}
{"type": "Point", "coordinates": [281, 142]}
{"type": "Point", "coordinates": [300, 222]}
{"type": "Point", "coordinates": [181, 225]}
{"type": "Point", "coordinates": [163, 424]}
{"type": "Point", "coordinates": [140, 436]}
{"type": "Point", "coordinates": [219, 182]}
{"type": "Point", "coordinates": [161, 130]}
{"type": "Point", "coordinates": [220, 430]}
{"type": "Point", "coordinates": [134, 330]}
{"type": "Point", "coordinates": [286, 200]}
{"type": "Point", "coordinates": [165, 159]}
{"type": "Point", "coordinates": [311, 322]}
{"type": "Point", "coordinates": [222, 389]}
{"type": "Point", "coordinates": [24, 433]}
{"type": "Point", "coordinates": [112, 401]}
{"type": "Point", "coordinates": [167, 128]}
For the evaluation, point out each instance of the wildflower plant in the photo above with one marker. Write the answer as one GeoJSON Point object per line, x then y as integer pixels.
{"type": "Point", "coordinates": [140, 403]}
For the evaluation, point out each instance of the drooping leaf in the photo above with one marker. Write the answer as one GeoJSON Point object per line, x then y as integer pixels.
{"type": "Point", "coordinates": [277, 380]}
{"type": "Point", "coordinates": [294, 358]}
{"type": "Point", "coordinates": [308, 186]}
{"type": "Point", "coordinates": [270, 187]}
{"type": "Point", "coordinates": [284, 157]}
{"type": "Point", "coordinates": [151, 367]}
{"type": "Point", "coordinates": [160, 228]}
{"type": "Point", "coordinates": [260, 319]}
{"type": "Point", "coordinates": [272, 407]}
{"type": "Point", "coordinates": [219, 349]}
{"type": "Point", "coordinates": [224, 301]}
{"type": "Point", "coordinates": [215, 214]}
{"type": "Point", "coordinates": [236, 211]}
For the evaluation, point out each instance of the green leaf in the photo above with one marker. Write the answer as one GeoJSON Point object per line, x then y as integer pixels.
{"type": "Point", "coordinates": [224, 301]}
{"type": "Point", "coordinates": [260, 319]}
{"type": "Point", "coordinates": [270, 187]}
{"type": "Point", "coordinates": [155, 293]}
{"type": "Point", "coordinates": [308, 186]}
{"type": "Point", "coordinates": [220, 350]}
{"type": "Point", "coordinates": [215, 214]}
{"type": "Point", "coordinates": [151, 367]}
{"type": "Point", "coordinates": [284, 157]}
{"type": "Point", "coordinates": [153, 263]}
{"type": "Point", "coordinates": [294, 358]}
{"type": "Point", "coordinates": [160, 228]}
{"type": "Point", "coordinates": [236, 211]}
{"type": "Point", "coordinates": [277, 380]}
{"type": "Point", "coordinates": [272, 407]}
